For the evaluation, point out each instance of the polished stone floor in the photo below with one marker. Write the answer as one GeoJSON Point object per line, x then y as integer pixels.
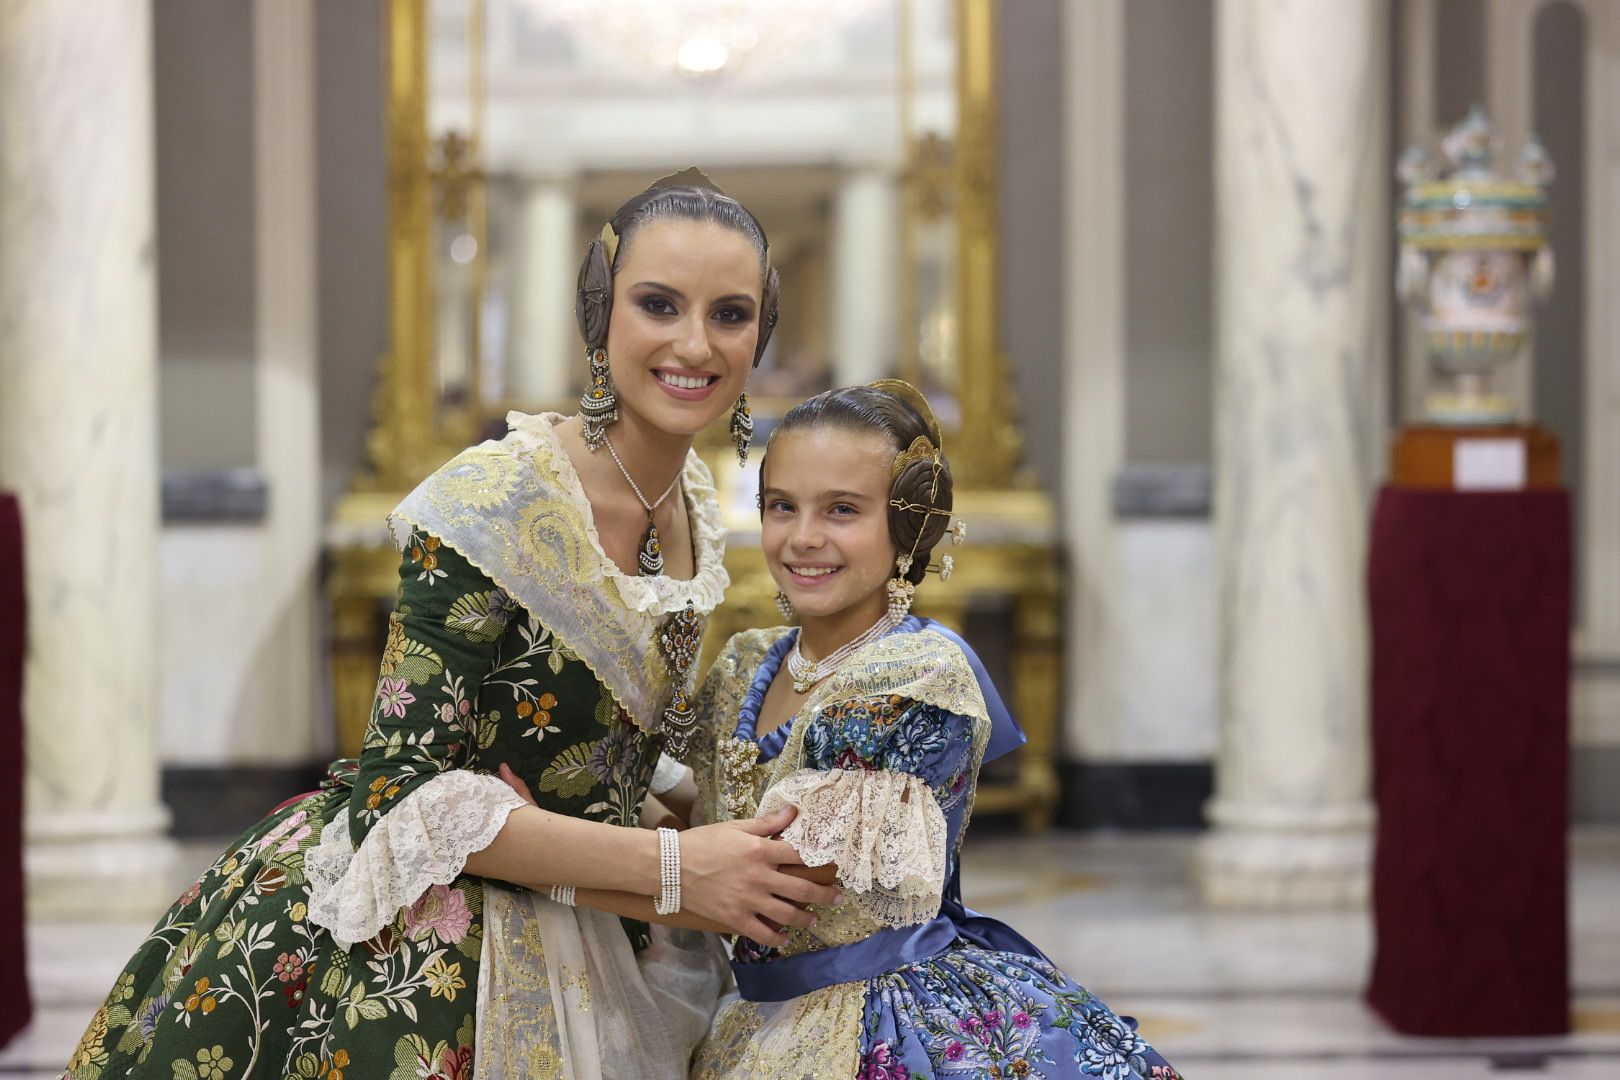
{"type": "Point", "coordinates": [1224, 995]}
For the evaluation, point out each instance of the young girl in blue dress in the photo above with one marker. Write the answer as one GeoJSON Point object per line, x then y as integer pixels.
{"type": "Point", "coordinates": [872, 724]}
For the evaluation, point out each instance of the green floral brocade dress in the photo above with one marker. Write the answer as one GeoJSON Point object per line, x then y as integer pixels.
{"type": "Point", "coordinates": [338, 937]}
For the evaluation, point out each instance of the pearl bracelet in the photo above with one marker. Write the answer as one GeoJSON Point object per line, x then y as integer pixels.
{"type": "Point", "coordinates": [669, 872]}
{"type": "Point", "coordinates": [563, 894]}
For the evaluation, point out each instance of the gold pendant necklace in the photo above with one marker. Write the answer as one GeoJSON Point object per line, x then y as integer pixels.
{"type": "Point", "coordinates": [651, 556]}
{"type": "Point", "coordinates": [680, 632]}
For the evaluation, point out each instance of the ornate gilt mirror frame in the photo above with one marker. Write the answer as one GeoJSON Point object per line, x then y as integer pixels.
{"type": "Point", "coordinates": [1010, 561]}
{"type": "Point", "coordinates": [412, 433]}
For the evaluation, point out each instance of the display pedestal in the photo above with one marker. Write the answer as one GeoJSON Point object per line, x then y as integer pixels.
{"type": "Point", "coordinates": [1439, 457]}
{"type": "Point", "coordinates": [1470, 616]}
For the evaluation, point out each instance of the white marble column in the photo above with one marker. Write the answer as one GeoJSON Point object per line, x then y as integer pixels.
{"type": "Point", "coordinates": [1302, 226]}
{"type": "Point", "coordinates": [78, 439]}
{"type": "Point", "coordinates": [1093, 385]}
{"type": "Point", "coordinates": [865, 281]}
{"type": "Point", "coordinates": [546, 356]}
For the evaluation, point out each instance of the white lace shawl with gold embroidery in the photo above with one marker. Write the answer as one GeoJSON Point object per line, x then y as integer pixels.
{"type": "Point", "coordinates": [516, 510]}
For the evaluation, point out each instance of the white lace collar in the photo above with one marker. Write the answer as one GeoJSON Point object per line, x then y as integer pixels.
{"type": "Point", "coordinates": [653, 595]}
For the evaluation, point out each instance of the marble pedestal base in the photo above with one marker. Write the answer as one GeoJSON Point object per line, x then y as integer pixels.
{"type": "Point", "coordinates": [88, 865]}
{"type": "Point", "coordinates": [1278, 865]}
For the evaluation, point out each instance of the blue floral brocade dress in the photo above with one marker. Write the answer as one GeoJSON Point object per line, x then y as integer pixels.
{"type": "Point", "coordinates": [902, 982]}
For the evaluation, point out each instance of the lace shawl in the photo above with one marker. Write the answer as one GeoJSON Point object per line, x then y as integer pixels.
{"type": "Point", "coordinates": [515, 509]}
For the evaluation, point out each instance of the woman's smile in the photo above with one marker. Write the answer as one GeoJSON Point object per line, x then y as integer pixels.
{"type": "Point", "coordinates": [686, 385]}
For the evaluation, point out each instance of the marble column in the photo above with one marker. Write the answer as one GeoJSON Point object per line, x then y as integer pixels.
{"type": "Point", "coordinates": [865, 245]}
{"type": "Point", "coordinates": [1302, 227]}
{"type": "Point", "coordinates": [545, 359]}
{"type": "Point", "coordinates": [78, 437]}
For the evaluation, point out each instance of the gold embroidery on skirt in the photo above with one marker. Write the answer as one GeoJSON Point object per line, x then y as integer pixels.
{"type": "Point", "coordinates": [811, 1037]}
{"type": "Point", "coordinates": [516, 1021]}
{"type": "Point", "coordinates": [576, 983]}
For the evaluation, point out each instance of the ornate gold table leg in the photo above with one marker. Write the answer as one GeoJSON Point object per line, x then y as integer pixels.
{"type": "Point", "coordinates": [1037, 678]}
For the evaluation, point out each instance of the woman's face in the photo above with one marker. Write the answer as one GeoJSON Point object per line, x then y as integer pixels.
{"type": "Point", "coordinates": [686, 311]}
{"type": "Point", "coordinates": [825, 527]}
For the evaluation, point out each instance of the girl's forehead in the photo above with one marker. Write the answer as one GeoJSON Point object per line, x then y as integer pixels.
{"type": "Point", "coordinates": [826, 456]}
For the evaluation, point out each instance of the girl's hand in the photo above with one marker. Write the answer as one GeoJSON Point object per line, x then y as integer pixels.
{"type": "Point", "coordinates": [820, 875]}
{"type": "Point", "coordinates": [505, 773]}
{"type": "Point", "coordinates": [655, 815]}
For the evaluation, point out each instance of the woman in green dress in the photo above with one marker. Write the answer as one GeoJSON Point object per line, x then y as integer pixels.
{"type": "Point", "coordinates": [549, 604]}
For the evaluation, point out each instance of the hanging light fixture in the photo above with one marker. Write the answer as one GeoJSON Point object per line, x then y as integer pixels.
{"type": "Point", "coordinates": [697, 38]}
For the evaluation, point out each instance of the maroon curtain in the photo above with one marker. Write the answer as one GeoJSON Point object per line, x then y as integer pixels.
{"type": "Point", "coordinates": [1470, 606]}
{"type": "Point", "coordinates": [15, 1007]}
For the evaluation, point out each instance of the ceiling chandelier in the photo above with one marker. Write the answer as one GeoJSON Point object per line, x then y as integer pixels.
{"type": "Point", "coordinates": [697, 38]}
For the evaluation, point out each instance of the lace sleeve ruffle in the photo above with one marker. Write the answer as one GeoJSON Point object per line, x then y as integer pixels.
{"type": "Point", "coordinates": [884, 830]}
{"type": "Point", "coordinates": [422, 842]}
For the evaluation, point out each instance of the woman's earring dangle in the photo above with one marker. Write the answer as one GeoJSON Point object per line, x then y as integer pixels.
{"type": "Point", "coordinates": [598, 405]}
{"type": "Point", "coordinates": [742, 428]}
{"type": "Point", "coordinates": [784, 605]}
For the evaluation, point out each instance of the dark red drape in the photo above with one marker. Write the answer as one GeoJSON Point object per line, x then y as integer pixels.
{"type": "Point", "coordinates": [1470, 608]}
{"type": "Point", "coordinates": [15, 1006]}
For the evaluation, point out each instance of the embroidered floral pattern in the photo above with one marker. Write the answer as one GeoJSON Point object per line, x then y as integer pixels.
{"type": "Point", "coordinates": [236, 980]}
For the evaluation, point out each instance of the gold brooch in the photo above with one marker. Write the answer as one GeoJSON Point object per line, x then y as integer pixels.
{"type": "Point", "coordinates": [739, 762]}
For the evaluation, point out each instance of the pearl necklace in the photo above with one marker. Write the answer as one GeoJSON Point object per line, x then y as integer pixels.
{"type": "Point", "coordinates": [652, 552]}
{"type": "Point", "coordinates": [806, 673]}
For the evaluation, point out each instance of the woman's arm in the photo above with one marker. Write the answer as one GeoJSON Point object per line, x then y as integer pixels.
{"type": "Point", "coordinates": [444, 637]}
{"type": "Point", "coordinates": [733, 876]}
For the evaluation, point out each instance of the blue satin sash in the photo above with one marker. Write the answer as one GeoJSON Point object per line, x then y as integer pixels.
{"type": "Point", "coordinates": [885, 951]}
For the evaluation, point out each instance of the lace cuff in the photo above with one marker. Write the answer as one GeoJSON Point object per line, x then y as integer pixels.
{"type": "Point", "coordinates": [422, 842]}
{"type": "Point", "coordinates": [884, 829]}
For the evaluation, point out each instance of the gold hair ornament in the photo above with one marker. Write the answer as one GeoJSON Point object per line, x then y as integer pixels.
{"type": "Point", "coordinates": [688, 177]}
{"type": "Point", "coordinates": [922, 449]}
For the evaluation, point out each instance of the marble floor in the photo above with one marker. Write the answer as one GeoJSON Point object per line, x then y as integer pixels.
{"type": "Point", "coordinates": [1224, 995]}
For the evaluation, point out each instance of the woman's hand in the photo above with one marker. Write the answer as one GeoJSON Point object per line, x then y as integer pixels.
{"type": "Point", "coordinates": [734, 874]}
{"type": "Point", "coordinates": [511, 779]}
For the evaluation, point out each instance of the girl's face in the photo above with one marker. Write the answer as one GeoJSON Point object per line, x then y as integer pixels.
{"type": "Point", "coordinates": [825, 527]}
{"type": "Point", "coordinates": [686, 311]}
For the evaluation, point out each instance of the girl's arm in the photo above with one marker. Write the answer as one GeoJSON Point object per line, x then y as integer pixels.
{"type": "Point", "coordinates": [680, 799]}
